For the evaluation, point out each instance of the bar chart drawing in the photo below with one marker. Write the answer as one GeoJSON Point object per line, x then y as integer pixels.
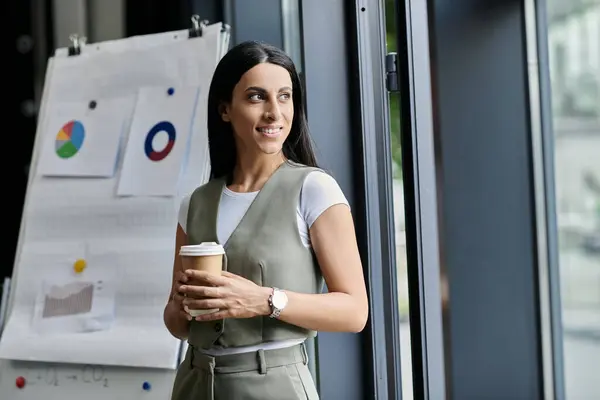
{"type": "Point", "coordinates": [70, 299]}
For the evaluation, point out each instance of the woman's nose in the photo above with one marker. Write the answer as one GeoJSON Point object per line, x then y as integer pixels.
{"type": "Point", "coordinates": [273, 113]}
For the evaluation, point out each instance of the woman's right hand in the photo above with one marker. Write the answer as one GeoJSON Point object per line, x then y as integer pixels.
{"type": "Point", "coordinates": [177, 297]}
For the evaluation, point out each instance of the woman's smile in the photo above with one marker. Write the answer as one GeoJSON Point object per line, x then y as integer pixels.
{"type": "Point", "coordinates": [270, 131]}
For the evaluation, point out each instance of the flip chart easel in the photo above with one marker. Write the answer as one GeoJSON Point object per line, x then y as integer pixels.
{"type": "Point", "coordinates": [124, 367]}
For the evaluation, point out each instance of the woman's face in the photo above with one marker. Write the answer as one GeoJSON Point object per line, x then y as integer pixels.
{"type": "Point", "coordinates": [261, 109]}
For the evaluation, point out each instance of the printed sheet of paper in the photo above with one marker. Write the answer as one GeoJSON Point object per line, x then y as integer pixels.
{"type": "Point", "coordinates": [70, 302]}
{"type": "Point", "coordinates": [158, 141]}
{"type": "Point", "coordinates": [82, 138]}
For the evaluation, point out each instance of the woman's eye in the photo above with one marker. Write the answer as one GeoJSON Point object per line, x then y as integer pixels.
{"type": "Point", "coordinates": [260, 97]}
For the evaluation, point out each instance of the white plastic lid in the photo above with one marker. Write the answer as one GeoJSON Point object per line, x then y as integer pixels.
{"type": "Point", "coordinates": [202, 249]}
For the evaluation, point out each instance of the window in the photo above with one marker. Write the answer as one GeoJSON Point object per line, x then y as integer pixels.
{"type": "Point", "coordinates": [573, 32]}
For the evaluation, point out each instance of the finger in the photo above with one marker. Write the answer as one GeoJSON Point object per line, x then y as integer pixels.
{"type": "Point", "coordinates": [177, 288]}
{"type": "Point", "coordinates": [221, 314]}
{"type": "Point", "coordinates": [206, 277]}
{"type": "Point", "coordinates": [228, 274]}
{"type": "Point", "coordinates": [200, 291]}
{"type": "Point", "coordinates": [204, 304]}
{"type": "Point", "coordinates": [177, 298]}
{"type": "Point", "coordinates": [178, 285]}
{"type": "Point", "coordinates": [181, 277]}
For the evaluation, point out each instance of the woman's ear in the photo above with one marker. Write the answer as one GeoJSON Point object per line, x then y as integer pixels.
{"type": "Point", "coordinates": [224, 112]}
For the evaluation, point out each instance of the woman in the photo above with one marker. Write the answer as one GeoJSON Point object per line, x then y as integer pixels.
{"type": "Point", "coordinates": [285, 225]}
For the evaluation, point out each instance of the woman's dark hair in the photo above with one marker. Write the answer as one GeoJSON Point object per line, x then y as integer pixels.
{"type": "Point", "coordinates": [223, 154]}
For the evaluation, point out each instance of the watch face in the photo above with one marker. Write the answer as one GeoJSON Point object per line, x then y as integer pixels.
{"type": "Point", "coordinates": [279, 299]}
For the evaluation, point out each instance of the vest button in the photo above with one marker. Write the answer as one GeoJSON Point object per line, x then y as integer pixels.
{"type": "Point", "coordinates": [218, 327]}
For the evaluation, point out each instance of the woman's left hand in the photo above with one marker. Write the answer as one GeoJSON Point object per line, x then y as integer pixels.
{"type": "Point", "coordinates": [233, 295]}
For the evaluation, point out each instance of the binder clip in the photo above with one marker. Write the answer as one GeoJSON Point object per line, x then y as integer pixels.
{"type": "Point", "coordinates": [76, 43]}
{"type": "Point", "coordinates": [197, 26]}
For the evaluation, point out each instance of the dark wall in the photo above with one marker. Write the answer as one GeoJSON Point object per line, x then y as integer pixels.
{"type": "Point", "coordinates": [154, 16]}
{"type": "Point", "coordinates": [19, 116]}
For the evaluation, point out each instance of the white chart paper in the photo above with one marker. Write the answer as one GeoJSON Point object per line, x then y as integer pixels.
{"type": "Point", "coordinates": [158, 141]}
{"type": "Point", "coordinates": [82, 138]}
{"type": "Point", "coordinates": [66, 219]}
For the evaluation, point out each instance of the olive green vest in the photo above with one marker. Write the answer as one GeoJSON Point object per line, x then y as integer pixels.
{"type": "Point", "coordinates": [265, 248]}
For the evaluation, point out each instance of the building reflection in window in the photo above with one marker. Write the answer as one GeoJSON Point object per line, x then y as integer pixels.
{"type": "Point", "coordinates": [574, 50]}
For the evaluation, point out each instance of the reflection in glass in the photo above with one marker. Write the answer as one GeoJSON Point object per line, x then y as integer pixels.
{"type": "Point", "coordinates": [574, 50]}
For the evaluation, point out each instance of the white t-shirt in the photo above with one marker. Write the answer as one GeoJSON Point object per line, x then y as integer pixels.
{"type": "Point", "coordinates": [319, 192]}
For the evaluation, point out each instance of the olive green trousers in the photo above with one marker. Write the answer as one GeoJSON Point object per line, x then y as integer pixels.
{"type": "Point", "coordinates": [280, 374]}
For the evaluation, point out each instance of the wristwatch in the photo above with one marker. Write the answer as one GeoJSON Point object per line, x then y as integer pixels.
{"type": "Point", "coordinates": [277, 301]}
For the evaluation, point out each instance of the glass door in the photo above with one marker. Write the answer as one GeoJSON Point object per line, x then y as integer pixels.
{"type": "Point", "coordinates": [418, 271]}
{"type": "Point", "coordinates": [401, 267]}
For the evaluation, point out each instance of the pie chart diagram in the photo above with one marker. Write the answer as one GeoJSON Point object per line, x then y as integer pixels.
{"type": "Point", "coordinates": [69, 139]}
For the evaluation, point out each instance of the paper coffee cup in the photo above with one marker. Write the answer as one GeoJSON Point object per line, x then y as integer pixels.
{"type": "Point", "coordinates": [206, 256]}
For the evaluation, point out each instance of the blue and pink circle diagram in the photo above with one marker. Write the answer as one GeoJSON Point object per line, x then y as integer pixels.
{"type": "Point", "coordinates": [158, 155]}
